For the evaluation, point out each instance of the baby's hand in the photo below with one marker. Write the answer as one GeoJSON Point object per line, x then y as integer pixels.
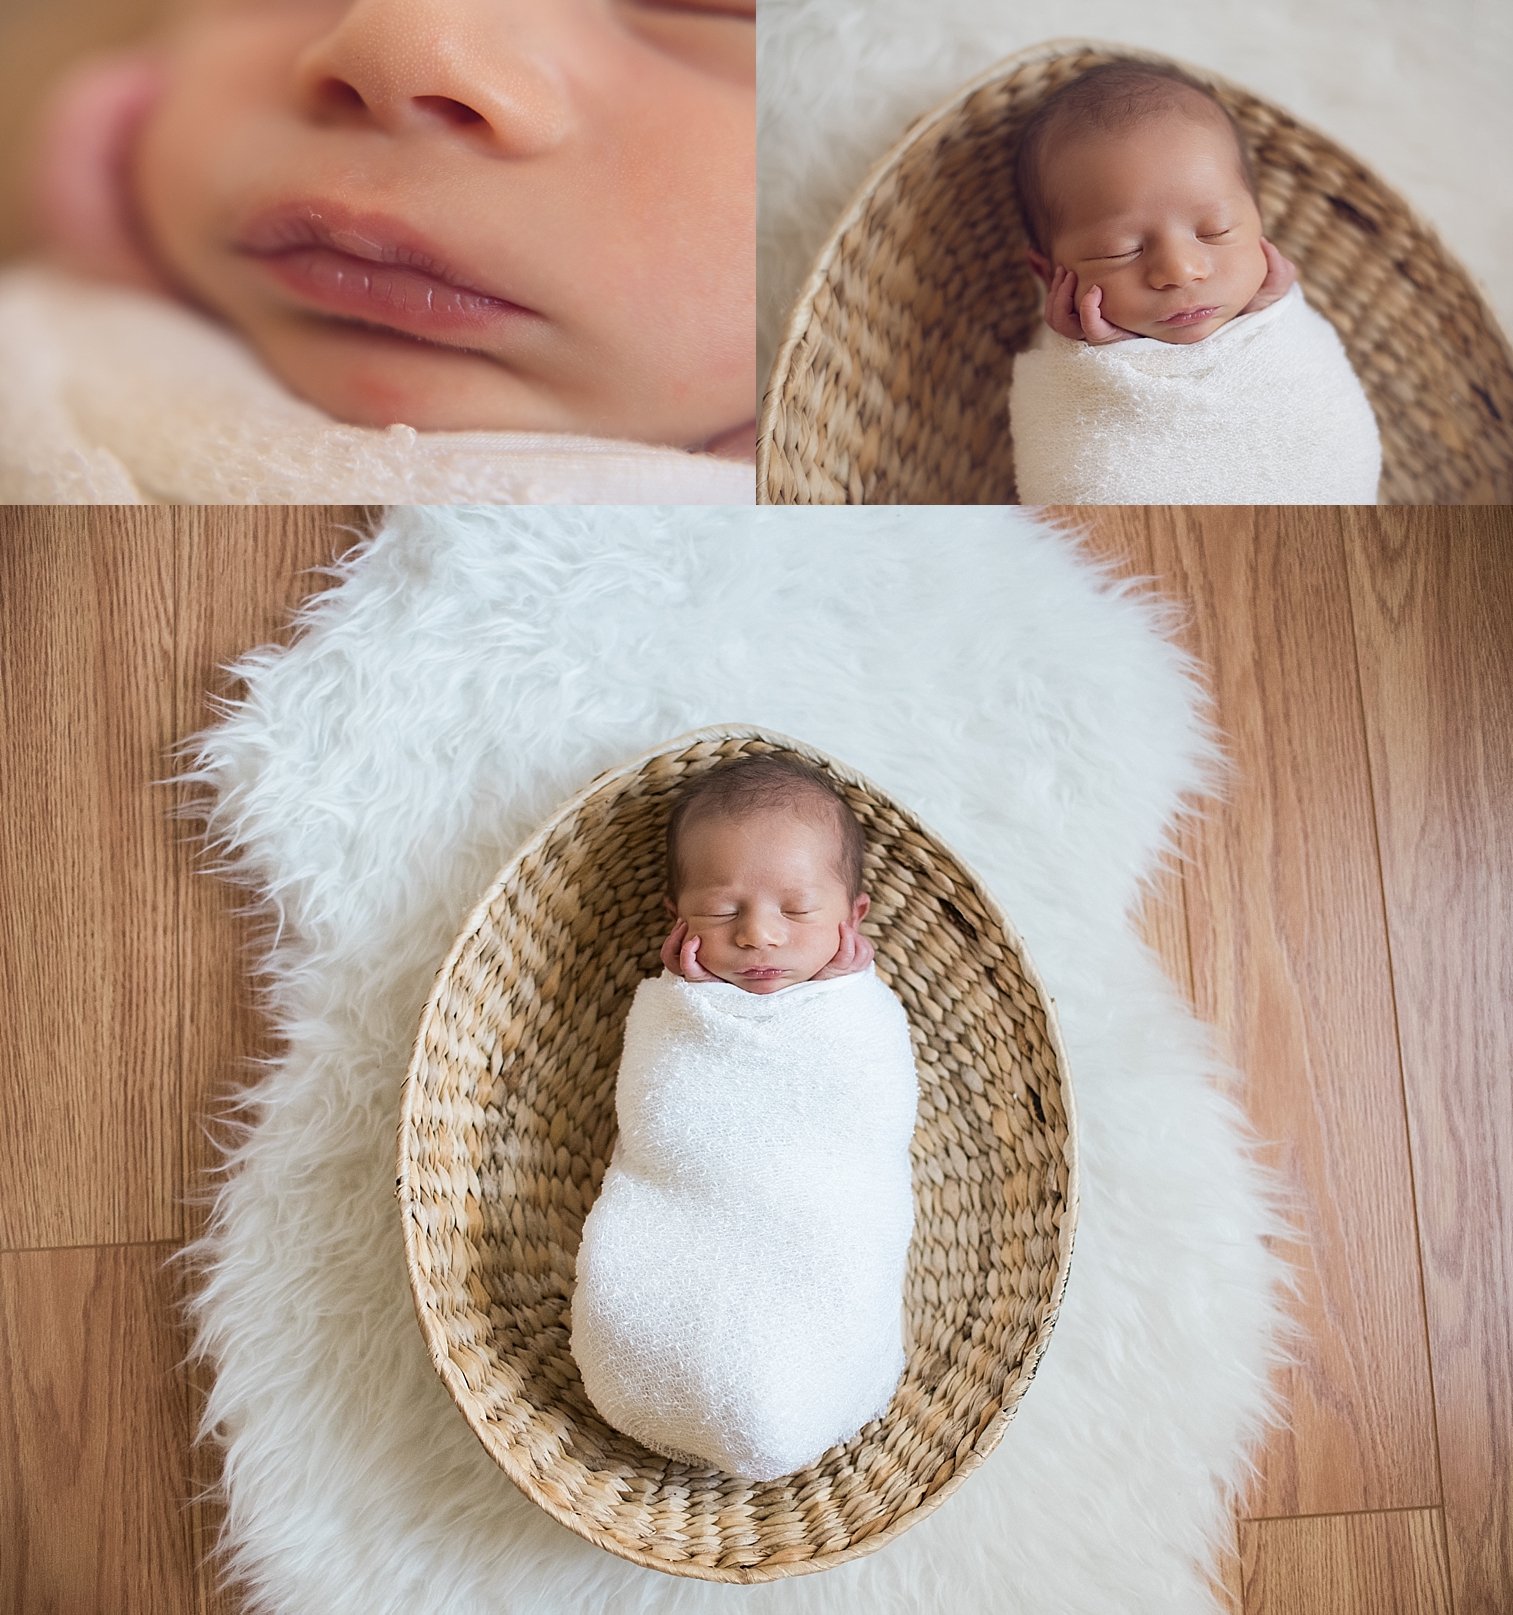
{"type": "Point", "coordinates": [1280, 274]}
{"type": "Point", "coordinates": [852, 957]}
{"type": "Point", "coordinates": [680, 953]}
{"type": "Point", "coordinates": [1079, 320]}
{"type": "Point", "coordinates": [80, 187]}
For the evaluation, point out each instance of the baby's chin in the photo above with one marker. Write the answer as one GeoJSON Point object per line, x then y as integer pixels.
{"type": "Point", "coordinates": [372, 377]}
{"type": "Point", "coordinates": [369, 376]}
{"type": "Point", "coordinates": [377, 378]}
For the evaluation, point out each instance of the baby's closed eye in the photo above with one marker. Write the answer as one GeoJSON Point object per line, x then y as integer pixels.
{"type": "Point", "coordinates": [715, 36]}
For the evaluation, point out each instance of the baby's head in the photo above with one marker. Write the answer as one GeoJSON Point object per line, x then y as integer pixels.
{"type": "Point", "coordinates": [1138, 181]}
{"type": "Point", "coordinates": [764, 863]}
{"type": "Point", "coordinates": [532, 215]}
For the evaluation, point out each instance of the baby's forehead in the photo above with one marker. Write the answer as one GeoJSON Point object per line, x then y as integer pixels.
{"type": "Point", "coordinates": [1189, 111]}
{"type": "Point", "coordinates": [803, 816]}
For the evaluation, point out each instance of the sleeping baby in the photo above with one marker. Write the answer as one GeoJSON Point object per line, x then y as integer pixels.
{"type": "Point", "coordinates": [402, 250]}
{"type": "Point", "coordinates": [1179, 362]}
{"type": "Point", "coordinates": [740, 1279]}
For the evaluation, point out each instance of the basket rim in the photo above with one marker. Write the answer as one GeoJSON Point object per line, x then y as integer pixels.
{"type": "Point", "coordinates": [796, 321]}
{"type": "Point", "coordinates": [501, 1449]}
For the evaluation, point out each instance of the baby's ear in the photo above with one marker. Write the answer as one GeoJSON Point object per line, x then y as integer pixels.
{"type": "Point", "coordinates": [671, 907]}
{"type": "Point", "coordinates": [1041, 265]}
{"type": "Point", "coordinates": [81, 194]}
{"type": "Point", "coordinates": [859, 909]}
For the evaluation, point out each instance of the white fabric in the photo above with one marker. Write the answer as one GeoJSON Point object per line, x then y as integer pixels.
{"type": "Point", "coordinates": [469, 673]}
{"type": "Point", "coordinates": [1414, 90]}
{"type": "Point", "coordinates": [110, 396]}
{"type": "Point", "coordinates": [740, 1281]}
{"type": "Point", "coordinates": [1266, 411]}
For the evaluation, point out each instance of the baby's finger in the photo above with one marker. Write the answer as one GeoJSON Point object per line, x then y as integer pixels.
{"type": "Point", "coordinates": [1278, 268]}
{"type": "Point", "coordinates": [1095, 328]}
{"type": "Point", "coordinates": [692, 969]}
{"type": "Point", "coordinates": [672, 946]}
{"type": "Point", "coordinates": [1090, 313]}
{"type": "Point", "coordinates": [1280, 275]}
{"type": "Point", "coordinates": [1060, 308]}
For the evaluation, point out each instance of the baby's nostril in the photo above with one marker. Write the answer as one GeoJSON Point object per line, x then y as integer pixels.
{"type": "Point", "coordinates": [448, 110]}
{"type": "Point", "coordinates": [337, 95]}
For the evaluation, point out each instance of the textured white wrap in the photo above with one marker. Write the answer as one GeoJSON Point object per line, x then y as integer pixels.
{"type": "Point", "coordinates": [740, 1282]}
{"type": "Point", "coordinates": [110, 396]}
{"type": "Point", "coordinates": [1266, 411]}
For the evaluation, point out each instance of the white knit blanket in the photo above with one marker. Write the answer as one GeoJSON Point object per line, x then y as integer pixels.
{"type": "Point", "coordinates": [110, 396]}
{"type": "Point", "coordinates": [740, 1279]}
{"type": "Point", "coordinates": [1266, 411]}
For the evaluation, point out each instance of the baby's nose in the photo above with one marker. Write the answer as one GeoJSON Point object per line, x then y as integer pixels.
{"type": "Point", "coordinates": [1177, 264]}
{"type": "Point", "coordinates": [760, 930]}
{"type": "Point", "coordinates": [427, 65]}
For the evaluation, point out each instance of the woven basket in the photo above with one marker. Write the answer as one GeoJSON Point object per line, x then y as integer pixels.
{"type": "Point", "coordinates": [507, 1126]}
{"type": "Point", "coordinates": [891, 382]}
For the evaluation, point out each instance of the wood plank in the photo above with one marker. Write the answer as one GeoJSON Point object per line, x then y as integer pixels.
{"type": "Point", "coordinates": [1290, 964]}
{"type": "Point", "coordinates": [1433, 601]}
{"type": "Point", "coordinates": [242, 572]}
{"type": "Point", "coordinates": [92, 1435]}
{"type": "Point", "coordinates": [1351, 1564]}
{"type": "Point", "coordinates": [90, 1103]}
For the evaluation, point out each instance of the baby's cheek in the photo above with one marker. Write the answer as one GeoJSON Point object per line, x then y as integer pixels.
{"type": "Point", "coordinates": [1252, 276]}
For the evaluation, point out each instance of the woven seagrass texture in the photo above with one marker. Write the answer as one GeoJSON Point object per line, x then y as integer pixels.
{"type": "Point", "coordinates": [891, 382]}
{"type": "Point", "coordinates": [508, 1123]}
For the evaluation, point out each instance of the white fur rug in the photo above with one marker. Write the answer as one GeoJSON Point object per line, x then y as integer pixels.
{"type": "Point", "coordinates": [472, 669]}
{"type": "Point", "coordinates": [1419, 92]}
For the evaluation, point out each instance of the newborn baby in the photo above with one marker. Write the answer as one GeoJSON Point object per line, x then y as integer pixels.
{"type": "Point", "coordinates": [448, 216]}
{"type": "Point", "coordinates": [1179, 363]}
{"type": "Point", "coordinates": [740, 1279]}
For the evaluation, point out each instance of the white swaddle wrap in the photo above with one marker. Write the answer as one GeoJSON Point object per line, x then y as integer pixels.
{"type": "Point", "coordinates": [740, 1281]}
{"type": "Point", "coordinates": [110, 396]}
{"type": "Point", "coordinates": [1266, 411]}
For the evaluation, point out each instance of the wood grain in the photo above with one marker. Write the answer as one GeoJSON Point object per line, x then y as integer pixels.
{"type": "Point", "coordinates": [90, 1104]}
{"type": "Point", "coordinates": [1352, 1564]}
{"type": "Point", "coordinates": [1290, 962]}
{"type": "Point", "coordinates": [1433, 607]}
{"type": "Point", "coordinates": [241, 575]}
{"type": "Point", "coordinates": [242, 572]}
{"type": "Point", "coordinates": [92, 1435]}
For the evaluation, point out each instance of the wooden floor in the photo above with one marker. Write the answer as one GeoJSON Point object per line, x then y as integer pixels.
{"type": "Point", "coordinates": [1343, 920]}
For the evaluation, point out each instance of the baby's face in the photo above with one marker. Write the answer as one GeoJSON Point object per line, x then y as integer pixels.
{"type": "Point", "coordinates": [472, 214]}
{"type": "Point", "coordinates": [762, 894]}
{"type": "Point", "coordinates": [1159, 217]}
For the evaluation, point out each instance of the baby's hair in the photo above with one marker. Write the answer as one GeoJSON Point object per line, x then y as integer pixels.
{"type": "Point", "coordinates": [1106, 99]}
{"type": "Point", "coordinates": [754, 784]}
